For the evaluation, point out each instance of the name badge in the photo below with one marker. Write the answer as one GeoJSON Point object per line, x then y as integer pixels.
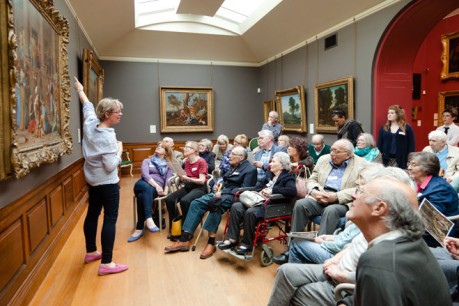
{"type": "Point", "coordinates": [333, 178]}
{"type": "Point", "coordinates": [235, 173]}
{"type": "Point", "coordinates": [194, 169]}
{"type": "Point", "coordinates": [401, 133]}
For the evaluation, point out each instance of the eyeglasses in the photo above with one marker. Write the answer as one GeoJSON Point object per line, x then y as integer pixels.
{"type": "Point", "coordinates": [234, 154]}
{"type": "Point", "coordinates": [411, 164]}
{"type": "Point", "coordinates": [189, 147]}
{"type": "Point", "coordinates": [359, 191]}
{"type": "Point", "coordinates": [337, 151]}
{"type": "Point", "coordinates": [117, 112]}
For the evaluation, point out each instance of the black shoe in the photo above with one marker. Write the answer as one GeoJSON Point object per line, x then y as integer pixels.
{"type": "Point", "coordinates": [242, 251]}
{"type": "Point", "coordinates": [281, 259]}
{"type": "Point", "coordinates": [223, 246]}
{"type": "Point", "coordinates": [173, 238]}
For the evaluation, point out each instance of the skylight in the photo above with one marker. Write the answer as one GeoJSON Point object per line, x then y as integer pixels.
{"type": "Point", "coordinates": [233, 17]}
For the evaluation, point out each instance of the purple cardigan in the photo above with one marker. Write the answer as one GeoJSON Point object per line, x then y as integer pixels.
{"type": "Point", "coordinates": [150, 171]}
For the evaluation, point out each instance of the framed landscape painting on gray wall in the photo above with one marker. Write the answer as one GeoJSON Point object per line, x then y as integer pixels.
{"type": "Point", "coordinates": [329, 96]}
{"type": "Point", "coordinates": [292, 109]}
{"type": "Point", "coordinates": [186, 109]}
{"type": "Point", "coordinates": [93, 76]}
{"type": "Point", "coordinates": [38, 96]}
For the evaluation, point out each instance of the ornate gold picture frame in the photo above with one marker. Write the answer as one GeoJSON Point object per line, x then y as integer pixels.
{"type": "Point", "coordinates": [292, 109]}
{"type": "Point", "coordinates": [38, 94]}
{"type": "Point", "coordinates": [447, 99]}
{"type": "Point", "coordinates": [93, 76]}
{"type": "Point", "coordinates": [186, 109]}
{"type": "Point", "coordinates": [338, 94]}
{"type": "Point", "coordinates": [450, 56]}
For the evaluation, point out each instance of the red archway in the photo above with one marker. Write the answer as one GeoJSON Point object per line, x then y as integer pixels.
{"type": "Point", "coordinates": [396, 53]}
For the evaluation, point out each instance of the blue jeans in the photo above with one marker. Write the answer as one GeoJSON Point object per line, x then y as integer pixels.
{"type": "Point", "coordinates": [305, 251]}
{"type": "Point", "coordinates": [145, 194]}
{"type": "Point", "coordinates": [108, 197]}
{"type": "Point", "coordinates": [197, 210]}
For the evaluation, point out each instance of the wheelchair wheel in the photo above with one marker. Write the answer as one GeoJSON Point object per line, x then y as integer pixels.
{"type": "Point", "coordinates": [266, 255]}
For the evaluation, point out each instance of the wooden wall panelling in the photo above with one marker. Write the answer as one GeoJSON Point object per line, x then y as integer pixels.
{"type": "Point", "coordinates": [33, 230]}
{"type": "Point", "coordinates": [37, 223]}
{"type": "Point", "coordinates": [11, 252]}
{"type": "Point", "coordinates": [68, 193]}
{"type": "Point", "coordinates": [56, 204]}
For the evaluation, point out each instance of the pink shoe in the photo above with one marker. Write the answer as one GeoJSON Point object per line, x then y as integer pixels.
{"type": "Point", "coordinates": [103, 270]}
{"type": "Point", "coordinates": [91, 257]}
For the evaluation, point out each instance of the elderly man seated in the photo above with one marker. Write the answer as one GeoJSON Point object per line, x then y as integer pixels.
{"type": "Point", "coordinates": [266, 153]}
{"type": "Point", "coordinates": [384, 212]}
{"type": "Point", "coordinates": [241, 174]}
{"type": "Point", "coordinates": [445, 153]}
{"type": "Point", "coordinates": [317, 147]}
{"type": "Point", "coordinates": [331, 187]}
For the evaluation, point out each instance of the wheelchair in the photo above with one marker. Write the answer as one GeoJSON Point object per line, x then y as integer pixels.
{"type": "Point", "coordinates": [277, 211]}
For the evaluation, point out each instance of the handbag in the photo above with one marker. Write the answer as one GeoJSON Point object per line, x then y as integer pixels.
{"type": "Point", "coordinates": [251, 198]}
{"type": "Point", "coordinates": [302, 173]}
{"type": "Point", "coordinates": [176, 227]}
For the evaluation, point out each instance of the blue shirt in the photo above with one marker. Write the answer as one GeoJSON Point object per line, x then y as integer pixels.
{"type": "Point", "coordinates": [336, 175]}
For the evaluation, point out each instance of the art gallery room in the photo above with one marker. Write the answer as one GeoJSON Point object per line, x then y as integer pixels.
{"type": "Point", "coordinates": [241, 60]}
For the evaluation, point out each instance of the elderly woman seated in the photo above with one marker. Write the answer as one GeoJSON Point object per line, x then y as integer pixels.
{"type": "Point", "coordinates": [221, 147]}
{"type": "Point", "coordinates": [277, 181]}
{"type": "Point", "coordinates": [367, 149]}
{"type": "Point", "coordinates": [424, 169]}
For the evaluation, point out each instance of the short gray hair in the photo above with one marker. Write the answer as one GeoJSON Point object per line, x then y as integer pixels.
{"type": "Point", "coordinates": [401, 214]}
{"type": "Point", "coordinates": [346, 144]}
{"type": "Point", "coordinates": [207, 143]}
{"type": "Point", "coordinates": [240, 151]}
{"type": "Point", "coordinates": [284, 160]}
{"type": "Point", "coordinates": [107, 105]}
{"type": "Point", "coordinates": [266, 133]}
{"type": "Point", "coordinates": [428, 162]}
{"type": "Point", "coordinates": [438, 135]}
{"type": "Point", "coordinates": [369, 140]}
{"type": "Point", "coordinates": [319, 137]}
{"type": "Point", "coordinates": [274, 114]}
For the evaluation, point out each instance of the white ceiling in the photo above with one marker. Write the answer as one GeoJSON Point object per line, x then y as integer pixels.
{"type": "Point", "coordinates": [109, 25]}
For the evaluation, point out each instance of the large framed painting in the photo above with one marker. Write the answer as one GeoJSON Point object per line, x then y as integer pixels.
{"type": "Point", "coordinates": [93, 76]}
{"type": "Point", "coordinates": [329, 96]}
{"type": "Point", "coordinates": [186, 109]}
{"type": "Point", "coordinates": [37, 99]}
{"type": "Point", "coordinates": [292, 109]}
{"type": "Point", "coordinates": [447, 100]}
{"type": "Point", "coordinates": [450, 55]}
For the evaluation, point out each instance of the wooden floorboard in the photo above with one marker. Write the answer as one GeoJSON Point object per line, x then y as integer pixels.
{"type": "Point", "coordinates": [154, 278]}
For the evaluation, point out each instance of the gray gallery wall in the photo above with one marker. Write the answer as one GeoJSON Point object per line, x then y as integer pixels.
{"type": "Point", "coordinates": [238, 106]}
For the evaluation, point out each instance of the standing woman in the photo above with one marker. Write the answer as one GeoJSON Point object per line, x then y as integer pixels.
{"type": "Point", "coordinates": [102, 154]}
{"type": "Point", "coordinates": [194, 180]}
{"type": "Point", "coordinates": [396, 138]}
{"type": "Point", "coordinates": [153, 183]}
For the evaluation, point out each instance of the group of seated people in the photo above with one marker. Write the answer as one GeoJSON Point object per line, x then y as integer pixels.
{"type": "Point", "coordinates": [383, 243]}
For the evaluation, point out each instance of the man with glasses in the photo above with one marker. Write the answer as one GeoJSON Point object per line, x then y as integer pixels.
{"type": "Point", "coordinates": [318, 147]}
{"type": "Point", "coordinates": [273, 125]}
{"type": "Point", "coordinates": [241, 174]}
{"type": "Point", "coordinates": [266, 153]}
{"type": "Point", "coordinates": [331, 186]}
{"type": "Point", "coordinates": [398, 268]}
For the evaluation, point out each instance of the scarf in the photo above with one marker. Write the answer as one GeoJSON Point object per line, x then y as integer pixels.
{"type": "Point", "coordinates": [367, 153]}
{"type": "Point", "coordinates": [160, 164]}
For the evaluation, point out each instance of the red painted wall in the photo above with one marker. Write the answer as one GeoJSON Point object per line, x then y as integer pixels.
{"type": "Point", "coordinates": [429, 65]}
{"type": "Point", "coordinates": [396, 56]}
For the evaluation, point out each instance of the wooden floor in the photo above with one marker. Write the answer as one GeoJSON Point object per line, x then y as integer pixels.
{"type": "Point", "coordinates": [154, 278]}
